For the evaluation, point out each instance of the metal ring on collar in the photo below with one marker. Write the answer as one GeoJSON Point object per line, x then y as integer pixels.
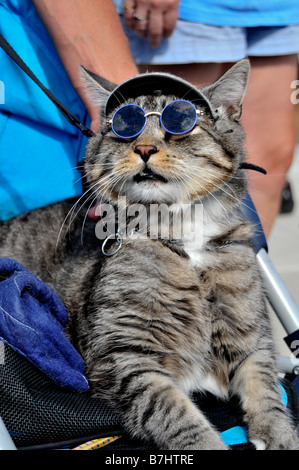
{"type": "Point", "coordinates": [117, 238]}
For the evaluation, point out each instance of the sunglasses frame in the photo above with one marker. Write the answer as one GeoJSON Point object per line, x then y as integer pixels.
{"type": "Point", "coordinates": [198, 112]}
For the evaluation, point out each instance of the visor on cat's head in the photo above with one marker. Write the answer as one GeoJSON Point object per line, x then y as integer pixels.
{"type": "Point", "coordinates": [157, 83]}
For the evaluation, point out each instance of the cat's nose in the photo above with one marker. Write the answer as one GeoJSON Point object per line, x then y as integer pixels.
{"type": "Point", "coordinates": [145, 151]}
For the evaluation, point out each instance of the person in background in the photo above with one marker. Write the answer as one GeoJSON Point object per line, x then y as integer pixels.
{"type": "Point", "coordinates": [39, 149]}
{"type": "Point", "coordinates": [199, 40]}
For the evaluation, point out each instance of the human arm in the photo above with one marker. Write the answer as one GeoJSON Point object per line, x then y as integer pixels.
{"type": "Point", "coordinates": [88, 33]}
{"type": "Point", "coordinates": [160, 17]}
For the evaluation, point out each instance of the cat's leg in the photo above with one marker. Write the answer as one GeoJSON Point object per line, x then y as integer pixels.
{"type": "Point", "coordinates": [256, 383]}
{"type": "Point", "coordinates": [153, 408]}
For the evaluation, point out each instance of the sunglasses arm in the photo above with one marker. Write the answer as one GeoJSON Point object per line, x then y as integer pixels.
{"type": "Point", "coordinates": [201, 113]}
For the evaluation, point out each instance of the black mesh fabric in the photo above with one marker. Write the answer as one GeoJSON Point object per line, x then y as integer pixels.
{"type": "Point", "coordinates": [40, 415]}
{"type": "Point", "coordinates": [36, 412]}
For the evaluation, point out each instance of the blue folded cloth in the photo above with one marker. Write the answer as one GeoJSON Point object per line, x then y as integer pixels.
{"type": "Point", "coordinates": [32, 322]}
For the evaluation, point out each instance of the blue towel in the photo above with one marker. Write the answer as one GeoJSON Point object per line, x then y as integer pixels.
{"type": "Point", "coordinates": [32, 322]}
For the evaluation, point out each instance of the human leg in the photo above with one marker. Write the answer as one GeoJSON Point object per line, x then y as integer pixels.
{"type": "Point", "coordinates": [269, 123]}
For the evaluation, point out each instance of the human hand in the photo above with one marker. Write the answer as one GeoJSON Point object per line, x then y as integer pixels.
{"type": "Point", "coordinates": [151, 19]}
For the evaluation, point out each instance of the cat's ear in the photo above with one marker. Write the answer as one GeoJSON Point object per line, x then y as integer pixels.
{"type": "Point", "coordinates": [229, 90]}
{"type": "Point", "coordinates": [99, 88]}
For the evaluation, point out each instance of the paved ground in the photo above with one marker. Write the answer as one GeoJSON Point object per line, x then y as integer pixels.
{"type": "Point", "coordinates": [284, 245]}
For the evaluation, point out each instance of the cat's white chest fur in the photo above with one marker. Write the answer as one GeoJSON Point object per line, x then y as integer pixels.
{"type": "Point", "coordinates": [206, 228]}
{"type": "Point", "coordinates": [198, 230]}
{"type": "Point", "coordinates": [200, 381]}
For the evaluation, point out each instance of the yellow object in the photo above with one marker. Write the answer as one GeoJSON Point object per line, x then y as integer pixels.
{"type": "Point", "coordinates": [97, 443]}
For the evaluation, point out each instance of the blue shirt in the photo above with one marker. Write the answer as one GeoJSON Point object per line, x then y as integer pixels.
{"type": "Point", "coordinates": [241, 12]}
{"type": "Point", "coordinates": [39, 148]}
{"type": "Point", "coordinates": [237, 12]}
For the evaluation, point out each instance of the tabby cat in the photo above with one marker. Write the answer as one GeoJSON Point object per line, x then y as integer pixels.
{"type": "Point", "coordinates": [159, 317]}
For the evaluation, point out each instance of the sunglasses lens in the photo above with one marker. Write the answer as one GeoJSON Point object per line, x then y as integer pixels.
{"type": "Point", "coordinates": [179, 117]}
{"type": "Point", "coordinates": [128, 121]}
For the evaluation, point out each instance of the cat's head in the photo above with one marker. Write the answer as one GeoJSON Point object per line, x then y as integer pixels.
{"type": "Point", "coordinates": [154, 165]}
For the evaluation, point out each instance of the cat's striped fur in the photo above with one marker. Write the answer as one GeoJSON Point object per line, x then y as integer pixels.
{"type": "Point", "coordinates": [161, 319]}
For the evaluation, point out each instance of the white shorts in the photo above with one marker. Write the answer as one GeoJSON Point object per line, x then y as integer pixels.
{"type": "Point", "coordinates": [197, 42]}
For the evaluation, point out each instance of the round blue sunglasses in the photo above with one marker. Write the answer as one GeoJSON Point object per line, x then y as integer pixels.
{"type": "Point", "coordinates": [178, 117]}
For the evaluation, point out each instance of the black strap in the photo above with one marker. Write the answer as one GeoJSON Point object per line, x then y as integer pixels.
{"type": "Point", "coordinates": [252, 166]}
{"type": "Point", "coordinates": [67, 114]}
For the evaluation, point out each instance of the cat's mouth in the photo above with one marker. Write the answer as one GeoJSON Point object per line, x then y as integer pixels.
{"type": "Point", "coordinates": [148, 175]}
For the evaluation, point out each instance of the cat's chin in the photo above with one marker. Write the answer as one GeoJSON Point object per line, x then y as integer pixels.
{"type": "Point", "coordinates": [150, 184]}
{"type": "Point", "coordinates": [151, 190]}
{"type": "Point", "coordinates": [150, 178]}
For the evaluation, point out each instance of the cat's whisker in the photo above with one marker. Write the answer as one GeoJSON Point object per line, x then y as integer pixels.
{"type": "Point", "coordinates": [114, 179]}
{"type": "Point", "coordinates": [210, 172]}
{"type": "Point", "coordinates": [211, 194]}
{"type": "Point", "coordinates": [100, 165]}
{"type": "Point", "coordinates": [93, 201]}
{"type": "Point", "coordinates": [105, 182]}
{"type": "Point", "coordinates": [101, 194]}
{"type": "Point", "coordinates": [71, 211]}
{"type": "Point", "coordinates": [186, 183]}
{"type": "Point", "coordinates": [195, 171]}
{"type": "Point", "coordinates": [232, 196]}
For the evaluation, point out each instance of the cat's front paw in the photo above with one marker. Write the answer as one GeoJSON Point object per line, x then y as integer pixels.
{"type": "Point", "coordinates": [212, 441]}
{"type": "Point", "coordinates": [287, 442]}
{"type": "Point", "coordinates": [281, 436]}
{"type": "Point", "coordinates": [209, 440]}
